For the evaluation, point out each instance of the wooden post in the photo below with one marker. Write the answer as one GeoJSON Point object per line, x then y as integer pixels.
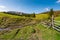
{"type": "Point", "coordinates": [52, 20]}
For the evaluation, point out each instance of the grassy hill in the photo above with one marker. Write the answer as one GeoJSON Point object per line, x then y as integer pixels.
{"type": "Point", "coordinates": [13, 27]}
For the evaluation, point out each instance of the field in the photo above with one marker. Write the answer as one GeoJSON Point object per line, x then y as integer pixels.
{"type": "Point", "coordinates": [14, 27]}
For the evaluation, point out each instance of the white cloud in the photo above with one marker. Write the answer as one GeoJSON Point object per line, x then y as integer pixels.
{"type": "Point", "coordinates": [47, 9]}
{"type": "Point", "coordinates": [2, 7]}
{"type": "Point", "coordinates": [58, 1]}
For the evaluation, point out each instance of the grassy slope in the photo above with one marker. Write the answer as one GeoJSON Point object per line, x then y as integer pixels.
{"type": "Point", "coordinates": [27, 33]}
{"type": "Point", "coordinates": [41, 16]}
{"type": "Point", "coordinates": [57, 18]}
{"type": "Point", "coordinates": [37, 32]}
{"type": "Point", "coordinates": [8, 15]}
{"type": "Point", "coordinates": [7, 20]}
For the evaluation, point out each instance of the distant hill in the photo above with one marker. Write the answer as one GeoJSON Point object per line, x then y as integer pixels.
{"type": "Point", "coordinates": [56, 13]}
{"type": "Point", "coordinates": [39, 16]}
{"type": "Point", "coordinates": [27, 14]}
{"type": "Point", "coordinates": [20, 13]}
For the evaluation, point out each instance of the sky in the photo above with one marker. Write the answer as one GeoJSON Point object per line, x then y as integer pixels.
{"type": "Point", "coordinates": [29, 6]}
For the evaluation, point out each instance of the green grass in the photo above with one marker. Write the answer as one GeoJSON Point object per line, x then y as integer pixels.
{"type": "Point", "coordinates": [8, 15]}
{"type": "Point", "coordinates": [27, 33]}
{"type": "Point", "coordinates": [32, 32]}
{"type": "Point", "coordinates": [57, 18]}
{"type": "Point", "coordinates": [41, 16]}
{"type": "Point", "coordinates": [8, 20]}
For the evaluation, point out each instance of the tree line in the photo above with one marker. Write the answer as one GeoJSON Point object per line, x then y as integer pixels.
{"type": "Point", "coordinates": [21, 14]}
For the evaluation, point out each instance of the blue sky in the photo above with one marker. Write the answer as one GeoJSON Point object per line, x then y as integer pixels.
{"type": "Point", "coordinates": [29, 6]}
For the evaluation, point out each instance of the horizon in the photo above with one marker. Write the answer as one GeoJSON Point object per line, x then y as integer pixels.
{"type": "Point", "coordinates": [29, 6]}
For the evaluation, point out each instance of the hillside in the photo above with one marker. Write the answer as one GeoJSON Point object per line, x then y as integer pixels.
{"type": "Point", "coordinates": [56, 13]}
{"type": "Point", "coordinates": [15, 27]}
{"type": "Point", "coordinates": [7, 20]}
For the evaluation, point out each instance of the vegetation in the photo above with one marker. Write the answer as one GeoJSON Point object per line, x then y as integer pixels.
{"type": "Point", "coordinates": [27, 33]}
{"type": "Point", "coordinates": [27, 27]}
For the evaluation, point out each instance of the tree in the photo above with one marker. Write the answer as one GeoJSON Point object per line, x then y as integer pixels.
{"type": "Point", "coordinates": [51, 14]}
{"type": "Point", "coordinates": [34, 15]}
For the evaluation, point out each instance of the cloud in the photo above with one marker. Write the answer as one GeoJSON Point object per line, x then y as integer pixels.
{"type": "Point", "coordinates": [47, 9]}
{"type": "Point", "coordinates": [2, 7]}
{"type": "Point", "coordinates": [58, 1]}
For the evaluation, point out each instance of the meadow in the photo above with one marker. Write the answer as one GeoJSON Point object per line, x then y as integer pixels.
{"type": "Point", "coordinates": [13, 27]}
